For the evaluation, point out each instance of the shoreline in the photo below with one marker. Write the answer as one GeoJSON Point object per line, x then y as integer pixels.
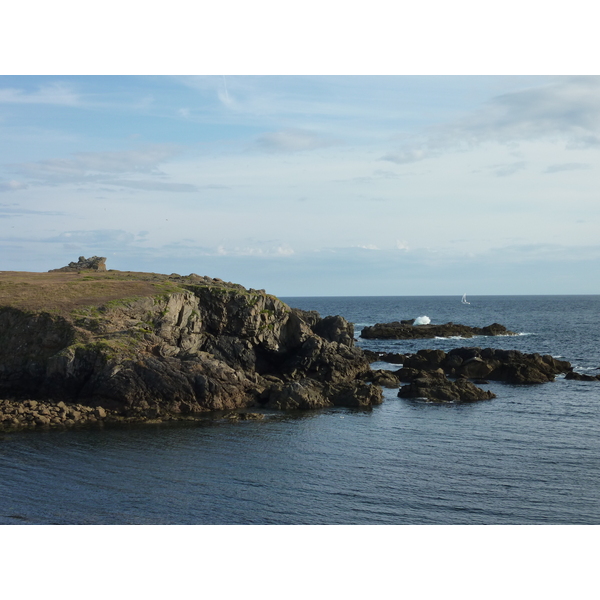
{"type": "Point", "coordinates": [27, 415]}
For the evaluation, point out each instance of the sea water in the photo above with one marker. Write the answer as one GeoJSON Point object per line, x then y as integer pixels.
{"type": "Point", "coordinates": [529, 456]}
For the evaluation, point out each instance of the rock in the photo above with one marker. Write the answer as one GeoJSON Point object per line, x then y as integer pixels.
{"type": "Point", "coordinates": [425, 359]}
{"type": "Point", "coordinates": [209, 345]}
{"type": "Point", "coordinates": [402, 331]}
{"type": "Point", "coordinates": [384, 378]}
{"type": "Point", "coordinates": [95, 263]}
{"type": "Point", "coordinates": [435, 386]}
{"type": "Point", "coordinates": [581, 376]}
{"type": "Point", "coordinates": [252, 416]}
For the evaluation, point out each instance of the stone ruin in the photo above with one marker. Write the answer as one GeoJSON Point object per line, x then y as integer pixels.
{"type": "Point", "coordinates": [95, 263]}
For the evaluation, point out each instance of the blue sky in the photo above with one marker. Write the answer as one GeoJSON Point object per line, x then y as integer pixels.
{"type": "Point", "coordinates": [308, 185]}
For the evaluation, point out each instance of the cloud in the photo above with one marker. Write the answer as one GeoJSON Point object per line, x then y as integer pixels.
{"type": "Point", "coordinates": [153, 186]}
{"type": "Point", "coordinates": [566, 109]}
{"type": "Point", "coordinates": [505, 170]}
{"type": "Point", "coordinates": [54, 93]}
{"type": "Point", "coordinates": [106, 237]}
{"type": "Point", "coordinates": [104, 168]}
{"type": "Point", "coordinates": [407, 156]}
{"type": "Point", "coordinates": [13, 210]}
{"type": "Point", "coordinates": [85, 164]}
{"type": "Point", "coordinates": [12, 185]}
{"type": "Point", "coordinates": [280, 250]}
{"type": "Point", "coordinates": [293, 140]}
{"type": "Point", "coordinates": [574, 166]}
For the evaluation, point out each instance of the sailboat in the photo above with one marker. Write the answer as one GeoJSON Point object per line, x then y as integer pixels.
{"type": "Point", "coordinates": [464, 299]}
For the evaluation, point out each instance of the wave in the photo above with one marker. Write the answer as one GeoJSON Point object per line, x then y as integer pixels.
{"type": "Point", "coordinates": [424, 320]}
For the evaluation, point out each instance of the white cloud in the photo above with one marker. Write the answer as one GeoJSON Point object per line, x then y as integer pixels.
{"type": "Point", "coordinates": [292, 140]}
{"type": "Point", "coordinates": [84, 163]}
{"type": "Point", "coordinates": [407, 156]}
{"type": "Point", "coordinates": [54, 93]}
{"type": "Point", "coordinates": [565, 110]}
{"type": "Point", "coordinates": [83, 238]}
{"type": "Point", "coordinates": [153, 186]}
{"type": "Point", "coordinates": [574, 166]}
{"type": "Point", "coordinates": [257, 251]}
{"type": "Point", "coordinates": [12, 185]}
{"type": "Point", "coordinates": [505, 170]}
{"type": "Point", "coordinates": [14, 210]}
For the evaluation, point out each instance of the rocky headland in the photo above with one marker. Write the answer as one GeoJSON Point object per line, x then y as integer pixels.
{"type": "Point", "coordinates": [82, 345]}
{"type": "Point", "coordinates": [150, 346]}
{"type": "Point", "coordinates": [406, 330]}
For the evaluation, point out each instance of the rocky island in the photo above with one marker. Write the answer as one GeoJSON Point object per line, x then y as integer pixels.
{"type": "Point", "coordinates": [150, 346]}
{"type": "Point", "coordinates": [407, 330]}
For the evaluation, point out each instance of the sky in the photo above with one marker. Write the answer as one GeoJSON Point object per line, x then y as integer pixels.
{"type": "Point", "coordinates": [308, 185]}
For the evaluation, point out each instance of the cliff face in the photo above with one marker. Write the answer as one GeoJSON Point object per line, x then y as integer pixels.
{"type": "Point", "coordinates": [207, 345]}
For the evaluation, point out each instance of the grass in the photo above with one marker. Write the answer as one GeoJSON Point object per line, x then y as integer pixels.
{"type": "Point", "coordinates": [80, 294]}
{"type": "Point", "coordinates": [63, 293]}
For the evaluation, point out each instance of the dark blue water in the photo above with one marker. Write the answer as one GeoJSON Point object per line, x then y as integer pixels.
{"type": "Point", "coordinates": [530, 456]}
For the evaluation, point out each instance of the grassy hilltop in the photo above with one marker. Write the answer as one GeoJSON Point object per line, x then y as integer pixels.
{"type": "Point", "coordinates": [62, 292]}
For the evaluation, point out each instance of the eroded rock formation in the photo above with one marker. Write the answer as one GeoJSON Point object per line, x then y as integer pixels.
{"type": "Point", "coordinates": [207, 346]}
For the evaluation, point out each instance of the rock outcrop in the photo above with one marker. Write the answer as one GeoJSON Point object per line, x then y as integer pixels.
{"type": "Point", "coordinates": [95, 263]}
{"type": "Point", "coordinates": [203, 345]}
{"type": "Point", "coordinates": [510, 366]}
{"type": "Point", "coordinates": [435, 386]}
{"type": "Point", "coordinates": [582, 376]}
{"type": "Point", "coordinates": [405, 330]}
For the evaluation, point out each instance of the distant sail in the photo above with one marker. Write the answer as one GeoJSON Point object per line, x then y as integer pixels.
{"type": "Point", "coordinates": [464, 299]}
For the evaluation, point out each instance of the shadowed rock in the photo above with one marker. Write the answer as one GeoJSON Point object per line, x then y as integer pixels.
{"type": "Point", "coordinates": [435, 386]}
{"type": "Point", "coordinates": [400, 330]}
{"type": "Point", "coordinates": [203, 344]}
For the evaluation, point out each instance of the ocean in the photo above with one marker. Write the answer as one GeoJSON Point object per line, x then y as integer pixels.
{"type": "Point", "coordinates": [529, 456]}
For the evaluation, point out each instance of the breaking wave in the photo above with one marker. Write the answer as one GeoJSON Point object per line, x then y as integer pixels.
{"type": "Point", "coordinates": [422, 320]}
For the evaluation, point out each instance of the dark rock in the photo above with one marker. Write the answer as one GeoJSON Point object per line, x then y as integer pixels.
{"type": "Point", "coordinates": [402, 331]}
{"type": "Point", "coordinates": [406, 374]}
{"type": "Point", "coordinates": [384, 378]}
{"type": "Point", "coordinates": [434, 385]}
{"type": "Point", "coordinates": [581, 376]}
{"type": "Point", "coordinates": [425, 359]}
{"type": "Point", "coordinates": [215, 346]}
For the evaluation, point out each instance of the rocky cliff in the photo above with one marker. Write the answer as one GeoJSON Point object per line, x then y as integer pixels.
{"type": "Point", "coordinates": [192, 345]}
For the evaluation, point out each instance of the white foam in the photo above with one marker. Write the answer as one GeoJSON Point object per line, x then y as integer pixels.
{"type": "Point", "coordinates": [422, 320]}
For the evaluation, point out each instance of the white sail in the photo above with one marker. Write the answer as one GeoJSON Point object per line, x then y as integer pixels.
{"type": "Point", "coordinates": [464, 299]}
